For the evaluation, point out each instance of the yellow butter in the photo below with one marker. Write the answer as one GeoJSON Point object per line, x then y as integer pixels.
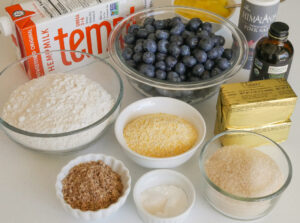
{"type": "Point", "coordinates": [278, 132]}
{"type": "Point", "coordinates": [256, 103]}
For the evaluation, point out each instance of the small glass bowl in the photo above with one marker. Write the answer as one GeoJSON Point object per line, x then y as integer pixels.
{"type": "Point", "coordinates": [191, 92]}
{"type": "Point", "coordinates": [21, 71]}
{"type": "Point", "coordinates": [244, 208]}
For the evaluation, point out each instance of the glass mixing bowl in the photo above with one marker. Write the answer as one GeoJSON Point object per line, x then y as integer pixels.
{"type": "Point", "coordinates": [21, 71]}
{"type": "Point", "coordinates": [191, 92]}
{"type": "Point", "coordinates": [238, 207]}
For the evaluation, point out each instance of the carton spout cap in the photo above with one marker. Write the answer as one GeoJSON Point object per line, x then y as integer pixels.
{"type": "Point", "coordinates": [5, 26]}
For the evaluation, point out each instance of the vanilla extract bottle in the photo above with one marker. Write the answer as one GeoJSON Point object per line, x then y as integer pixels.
{"type": "Point", "coordinates": [273, 54]}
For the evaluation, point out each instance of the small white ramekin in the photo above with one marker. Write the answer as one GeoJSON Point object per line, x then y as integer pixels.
{"type": "Point", "coordinates": [163, 177]}
{"type": "Point", "coordinates": [160, 105]}
{"type": "Point", "coordinates": [116, 165]}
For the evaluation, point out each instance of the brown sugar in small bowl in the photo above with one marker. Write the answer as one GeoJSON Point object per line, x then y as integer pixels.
{"type": "Point", "coordinates": [90, 211]}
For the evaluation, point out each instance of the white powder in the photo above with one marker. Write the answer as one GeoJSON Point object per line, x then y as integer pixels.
{"type": "Point", "coordinates": [243, 172]}
{"type": "Point", "coordinates": [57, 103]}
{"type": "Point", "coordinates": [164, 200]}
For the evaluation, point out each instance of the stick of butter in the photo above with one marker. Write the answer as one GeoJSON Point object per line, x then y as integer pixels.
{"type": "Point", "coordinates": [256, 103]}
{"type": "Point", "coordinates": [278, 132]}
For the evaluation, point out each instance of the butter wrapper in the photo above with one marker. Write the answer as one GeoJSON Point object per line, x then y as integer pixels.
{"type": "Point", "coordinates": [256, 103]}
{"type": "Point", "coordinates": [278, 132]}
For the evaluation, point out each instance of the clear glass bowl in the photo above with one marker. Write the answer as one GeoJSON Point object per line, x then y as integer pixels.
{"type": "Point", "coordinates": [191, 92]}
{"type": "Point", "coordinates": [91, 66]}
{"type": "Point", "coordinates": [244, 208]}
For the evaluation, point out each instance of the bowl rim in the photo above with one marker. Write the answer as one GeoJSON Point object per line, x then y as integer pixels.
{"type": "Point", "coordinates": [88, 158]}
{"type": "Point", "coordinates": [158, 159]}
{"type": "Point", "coordinates": [164, 172]}
{"type": "Point", "coordinates": [53, 135]}
{"type": "Point", "coordinates": [241, 198]}
{"type": "Point", "coordinates": [119, 62]}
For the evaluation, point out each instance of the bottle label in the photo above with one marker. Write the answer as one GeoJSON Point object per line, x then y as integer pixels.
{"type": "Point", "coordinates": [263, 70]}
{"type": "Point", "coordinates": [254, 22]}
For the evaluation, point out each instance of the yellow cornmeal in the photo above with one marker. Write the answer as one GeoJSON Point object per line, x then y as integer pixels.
{"type": "Point", "coordinates": [216, 6]}
{"type": "Point", "coordinates": [160, 135]}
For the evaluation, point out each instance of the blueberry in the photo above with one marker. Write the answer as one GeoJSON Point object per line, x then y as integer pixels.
{"type": "Point", "coordinates": [227, 54]}
{"type": "Point", "coordinates": [192, 41]}
{"type": "Point", "coordinates": [149, 20]}
{"type": "Point", "coordinates": [129, 38]}
{"type": "Point", "coordinates": [223, 63]}
{"type": "Point", "coordinates": [160, 56]}
{"type": "Point", "coordinates": [177, 29]}
{"type": "Point", "coordinates": [189, 61]}
{"type": "Point", "coordinates": [161, 65]}
{"type": "Point", "coordinates": [175, 20]}
{"type": "Point", "coordinates": [180, 68]}
{"type": "Point", "coordinates": [200, 55]}
{"type": "Point", "coordinates": [213, 53]}
{"type": "Point", "coordinates": [161, 74]}
{"type": "Point", "coordinates": [131, 63]}
{"type": "Point", "coordinates": [205, 75]}
{"type": "Point", "coordinates": [138, 47]}
{"type": "Point", "coordinates": [169, 68]}
{"type": "Point", "coordinates": [150, 45]}
{"type": "Point", "coordinates": [174, 50]}
{"type": "Point", "coordinates": [162, 34]}
{"type": "Point", "coordinates": [170, 61]}
{"type": "Point", "coordinates": [206, 44]}
{"type": "Point", "coordinates": [142, 33]}
{"type": "Point", "coordinates": [152, 36]}
{"type": "Point", "coordinates": [185, 34]}
{"type": "Point", "coordinates": [127, 53]}
{"type": "Point", "coordinates": [137, 57]}
{"type": "Point", "coordinates": [221, 40]}
{"type": "Point", "coordinates": [167, 23]}
{"type": "Point", "coordinates": [176, 39]}
{"type": "Point", "coordinates": [220, 50]}
{"type": "Point", "coordinates": [173, 77]}
{"type": "Point", "coordinates": [148, 57]}
{"type": "Point", "coordinates": [162, 46]}
{"type": "Point", "coordinates": [198, 70]}
{"type": "Point", "coordinates": [183, 77]}
{"type": "Point", "coordinates": [202, 34]}
{"type": "Point", "coordinates": [206, 26]}
{"type": "Point", "coordinates": [150, 28]}
{"type": "Point", "coordinates": [209, 64]}
{"type": "Point", "coordinates": [131, 46]}
{"type": "Point", "coordinates": [159, 24]}
{"type": "Point", "coordinates": [215, 39]}
{"type": "Point", "coordinates": [185, 50]}
{"type": "Point", "coordinates": [140, 41]}
{"type": "Point", "coordinates": [194, 24]}
{"type": "Point", "coordinates": [194, 79]}
{"type": "Point", "coordinates": [215, 71]}
{"type": "Point", "coordinates": [133, 29]}
{"type": "Point", "coordinates": [147, 69]}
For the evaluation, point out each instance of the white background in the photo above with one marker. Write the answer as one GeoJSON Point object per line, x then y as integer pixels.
{"type": "Point", "coordinates": [27, 178]}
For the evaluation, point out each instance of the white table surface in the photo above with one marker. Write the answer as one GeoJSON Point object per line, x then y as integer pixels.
{"type": "Point", "coordinates": [27, 178]}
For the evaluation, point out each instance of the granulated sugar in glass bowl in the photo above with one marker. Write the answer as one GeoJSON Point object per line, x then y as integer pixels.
{"type": "Point", "coordinates": [241, 181]}
{"type": "Point", "coordinates": [64, 110]}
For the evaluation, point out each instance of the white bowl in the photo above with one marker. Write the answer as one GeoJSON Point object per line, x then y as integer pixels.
{"type": "Point", "coordinates": [160, 105]}
{"type": "Point", "coordinates": [116, 165]}
{"type": "Point", "coordinates": [163, 177]}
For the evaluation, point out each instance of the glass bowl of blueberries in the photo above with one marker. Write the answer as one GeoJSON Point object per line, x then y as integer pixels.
{"type": "Point", "coordinates": [163, 53]}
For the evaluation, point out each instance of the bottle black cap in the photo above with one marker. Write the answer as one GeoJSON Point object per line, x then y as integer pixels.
{"type": "Point", "coordinates": [279, 29]}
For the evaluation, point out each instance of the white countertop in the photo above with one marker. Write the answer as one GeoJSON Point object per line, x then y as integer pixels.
{"type": "Point", "coordinates": [27, 178]}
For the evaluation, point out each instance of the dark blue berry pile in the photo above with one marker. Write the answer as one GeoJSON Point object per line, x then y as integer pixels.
{"type": "Point", "coordinates": [171, 50]}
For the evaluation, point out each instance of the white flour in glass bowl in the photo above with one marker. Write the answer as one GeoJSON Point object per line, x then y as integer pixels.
{"type": "Point", "coordinates": [57, 103]}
